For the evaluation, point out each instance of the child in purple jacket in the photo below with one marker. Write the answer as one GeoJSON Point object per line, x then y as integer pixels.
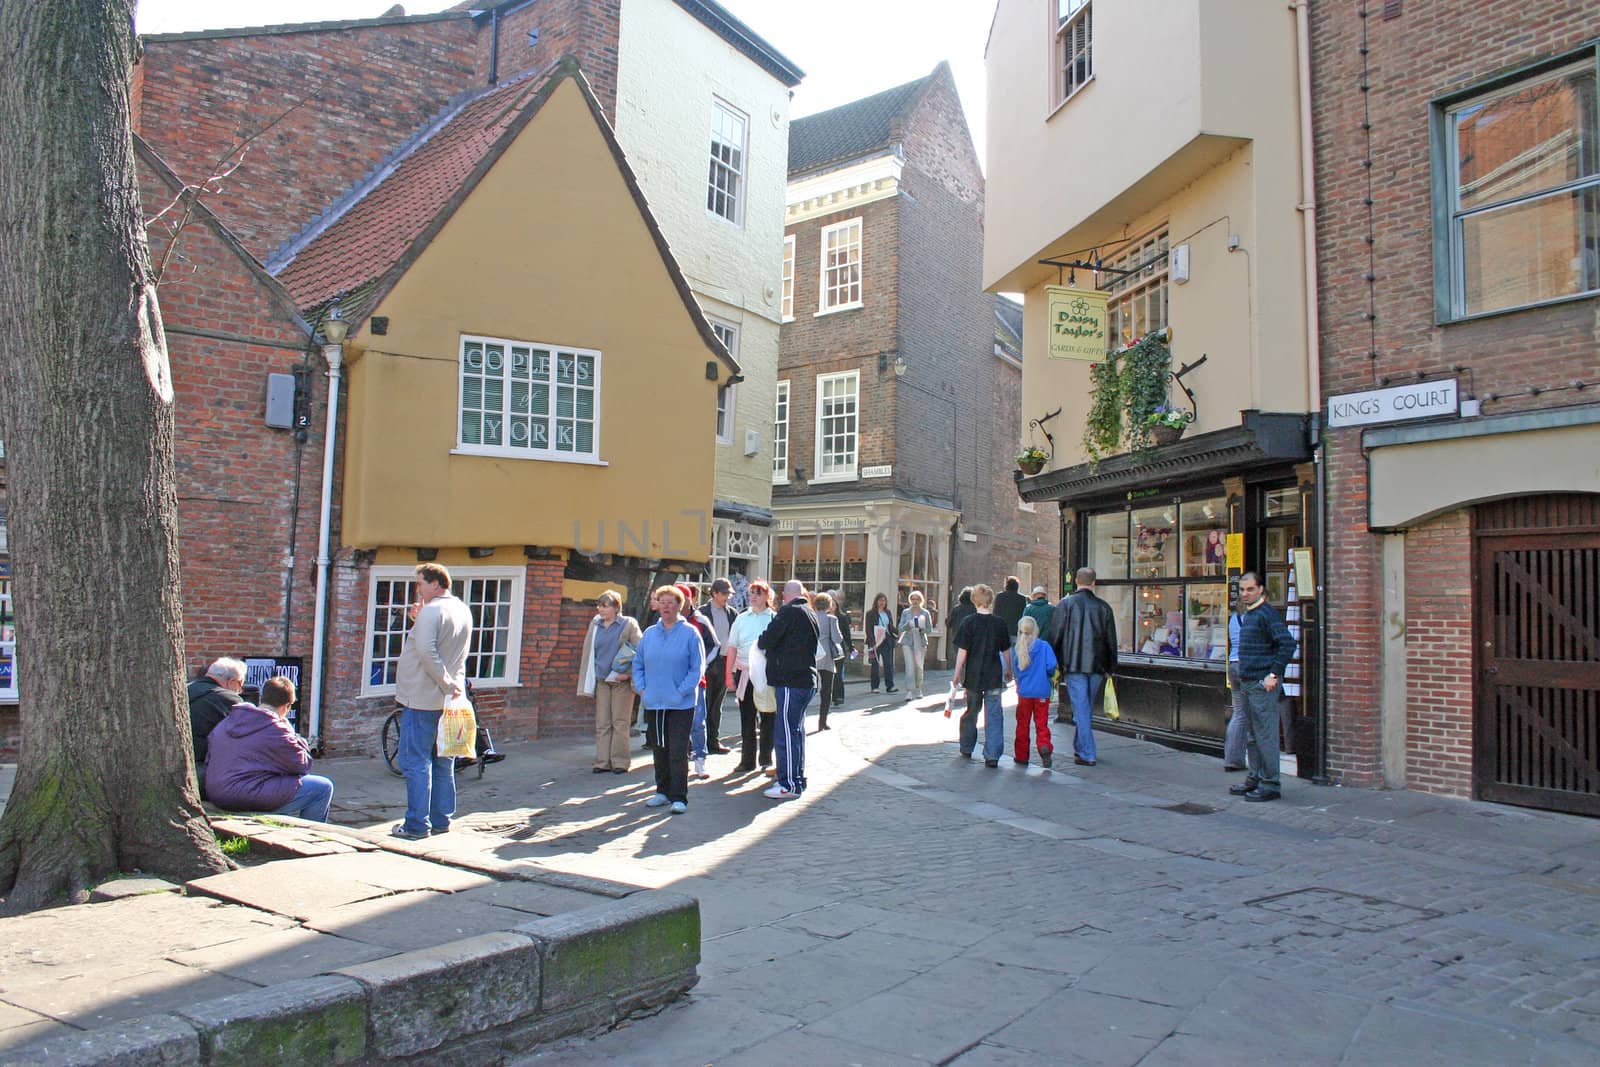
{"type": "Point", "coordinates": [256, 762]}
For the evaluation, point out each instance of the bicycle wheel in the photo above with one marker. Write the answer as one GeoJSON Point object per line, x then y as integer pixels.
{"type": "Point", "coordinates": [391, 743]}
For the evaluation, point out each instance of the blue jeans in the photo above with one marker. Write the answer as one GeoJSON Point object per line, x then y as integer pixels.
{"type": "Point", "coordinates": [430, 780]}
{"type": "Point", "coordinates": [1083, 692]}
{"type": "Point", "coordinates": [789, 737]}
{"type": "Point", "coordinates": [1237, 736]}
{"type": "Point", "coordinates": [697, 730]}
{"type": "Point", "coordinates": [883, 658]}
{"type": "Point", "coordinates": [994, 723]}
{"type": "Point", "coordinates": [312, 800]}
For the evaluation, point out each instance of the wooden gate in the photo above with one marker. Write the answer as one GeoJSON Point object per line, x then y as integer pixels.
{"type": "Point", "coordinates": [1538, 672]}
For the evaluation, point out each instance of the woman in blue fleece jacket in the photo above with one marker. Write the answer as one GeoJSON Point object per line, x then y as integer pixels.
{"type": "Point", "coordinates": [666, 675]}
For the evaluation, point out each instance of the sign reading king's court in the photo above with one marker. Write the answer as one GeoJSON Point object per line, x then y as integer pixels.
{"type": "Point", "coordinates": [1077, 325]}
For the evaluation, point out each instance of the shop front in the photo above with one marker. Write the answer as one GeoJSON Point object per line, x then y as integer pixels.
{"type": "Point", "coordinates": [1168, 535]}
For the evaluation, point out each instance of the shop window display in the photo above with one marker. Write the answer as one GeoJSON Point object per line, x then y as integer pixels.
{"type": "Point", "coordinates": [1163, 570]}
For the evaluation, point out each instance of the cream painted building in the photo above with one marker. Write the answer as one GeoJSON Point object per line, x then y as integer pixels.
{"type": "Point", "coordinates": [1152, 150]}
{"type": "Point", "coordinates": [684, 89]}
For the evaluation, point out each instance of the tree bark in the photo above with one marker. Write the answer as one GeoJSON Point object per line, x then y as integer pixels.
{"type": "Point", "coordinates": [105, 778]}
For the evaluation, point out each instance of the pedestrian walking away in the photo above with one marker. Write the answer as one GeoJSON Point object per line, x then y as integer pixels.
{"type": "Point", "coordinates": [915, 626]}
{"type": "Point", "coordinates": [666, 674]}
{"type": "Point", "coordinates": [433, 666]}
{"type": "Point", "coordinates": [981, 670]}
{"type": "Point", "coordinates": [1040, 609]}
{"type": "Point", "coordinates": [1009, 605]}
{"type": "Point", "coordinates": [830, 654]}
{"type": "Point", "coordinates": [1265, 648]}
{"type": "Point", "coordinates": [1083, 630]}
{"type": "Point", "coordinates": [741, 640]}
{"type": "Point", "coordinates": [605, 672]}
{"type": "Point", "coordinates": [958, 617]}
{"type": "Point", "coordinates": [1033, 664]}
{"type": "Point", "coordinates": [883, 638]}
{"type": "Point", "coordinates": [720, 615]}
{"type": "Point", "coordinates": [791, 647]}
{"type": "Point", "coordinates": [850, 653]}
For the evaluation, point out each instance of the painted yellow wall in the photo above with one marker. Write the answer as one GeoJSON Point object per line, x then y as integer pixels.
{"type": "Point", "coordinates": [549, 247]}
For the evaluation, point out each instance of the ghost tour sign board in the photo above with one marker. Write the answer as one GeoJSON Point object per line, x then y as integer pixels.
{"type": "Point", "coordinates": [1077, 326]}
{"type": "Point", "coordinates": [1424, 400]}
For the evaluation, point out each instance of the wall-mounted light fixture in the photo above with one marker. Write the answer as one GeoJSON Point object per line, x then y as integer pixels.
{"type": "Point", "coordinates": [900, 366]}
{"type": "Point", "coordinates": [334, 328]}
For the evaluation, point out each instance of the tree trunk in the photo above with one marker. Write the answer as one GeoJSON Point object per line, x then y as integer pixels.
{"type": "Point", "coordinates": [105, 778]}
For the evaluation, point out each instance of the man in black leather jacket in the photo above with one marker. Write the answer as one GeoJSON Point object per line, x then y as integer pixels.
{"type": "Point", "coordinates": [1083, 630]}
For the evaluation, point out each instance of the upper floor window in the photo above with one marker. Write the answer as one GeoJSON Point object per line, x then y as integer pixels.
{"type": "Point", "coordinates": [840, 284]}
{"type": "Point", "coordinates": [788, 278]}
{"type": "Point", "coordinates": [1072, 51]}
{"type": "Point", "coordinates": [529, 399]}
{"type": "Point", "coordinates": [1138, 302]}
{"type": "Point", "coordinates": [725, 188]}
{"type": "Point", "coordinates": [1521, 183]}
{"type": "Point", "coordinates": [728, 334]}
{"type": "Point", "coordinates": [780, 435]}
{"type": "Point", "coordinates": [838, 425]}
{"type": "Point", "coordinates": [492, 594]}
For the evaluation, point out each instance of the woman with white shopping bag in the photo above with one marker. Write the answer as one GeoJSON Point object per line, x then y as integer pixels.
{"type": "Point", "coordinates": [757, 703]}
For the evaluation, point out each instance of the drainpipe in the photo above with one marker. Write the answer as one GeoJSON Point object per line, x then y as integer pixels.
{"type": "Point", "coordinates": [1308, 221]}
{"type": "Point", "coordinates": [334, 354]}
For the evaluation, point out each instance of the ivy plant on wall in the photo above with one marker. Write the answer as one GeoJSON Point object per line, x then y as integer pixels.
{"type": "Point", "coordinates": [1131, 383]}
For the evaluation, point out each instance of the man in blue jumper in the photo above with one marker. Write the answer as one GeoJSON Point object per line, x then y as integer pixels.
{"type": "Point", "coordinates": [1265, 648]}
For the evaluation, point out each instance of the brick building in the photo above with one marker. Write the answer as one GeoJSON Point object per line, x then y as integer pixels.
{"type": "Point", "coordinates": [1458, 207]}
{"type": "Point", "coordinates": [897, 417]}
{"type": "Point", "coordinates": [262, 139]}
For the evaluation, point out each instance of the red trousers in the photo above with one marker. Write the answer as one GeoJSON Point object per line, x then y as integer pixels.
{"type": "Point", "coordinates": [1034, 710]}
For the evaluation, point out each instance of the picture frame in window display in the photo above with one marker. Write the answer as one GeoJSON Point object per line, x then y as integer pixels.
{"type": "Point", "coordinates": [1277, 588]}
{"type": "Point", "coordinates": [1159, 624]}
{"type": "Point", "coordinates": [1206, 636]}
{"type": "Point", "coordinates": [1154, 546]}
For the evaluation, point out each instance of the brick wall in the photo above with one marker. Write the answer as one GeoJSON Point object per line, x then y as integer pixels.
{"type": "Point", "coordinates": [1439, 655]}
{"type": "Point", "coordinates": [1429, 51]}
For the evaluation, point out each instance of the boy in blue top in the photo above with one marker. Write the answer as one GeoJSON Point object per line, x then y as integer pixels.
{"type": "Point", "coordinates": [1033, 663]}
{"type": "Point", "coordinates": [666, 675]}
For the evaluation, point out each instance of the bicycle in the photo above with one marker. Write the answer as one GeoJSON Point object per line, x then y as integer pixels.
{"type": "Point", "coordinates": [391, 747]}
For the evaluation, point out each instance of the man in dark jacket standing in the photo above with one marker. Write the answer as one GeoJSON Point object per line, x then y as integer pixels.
{"type": "Point", "coordinates": [842, 613]}
{"type": "Point", "coordinates": [1009, 605]}
{"type": "Point", "coordinates": [1083, 630]}
{"type": "Point", "coordinates": [1265, 648]}
{"type": "Point", "coordinates": [790, 643]}
{"type": "Point", "coordinates": [719, 616]}
{"type": "Point", "coordinates": [210, 700]}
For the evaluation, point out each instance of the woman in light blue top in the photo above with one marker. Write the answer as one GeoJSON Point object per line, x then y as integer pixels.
{"type": "Point", "coordinates": [1235, 740]}
{"type": "Point", "coordinates": [741, 639]}
{"type": "Point", "coordinates": [666, 675]}
{"type": "Point", "coordinates": [882, 637]}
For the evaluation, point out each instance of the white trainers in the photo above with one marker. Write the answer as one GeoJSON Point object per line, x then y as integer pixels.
{"type": "Point", "coordinates": [700, 769]}
{"type": "Point", "coordinates": [777, 792]}
{"type": "Point", "coordinates": [678, 807]}
{"type": "Point", "coordinates": [656, 801]}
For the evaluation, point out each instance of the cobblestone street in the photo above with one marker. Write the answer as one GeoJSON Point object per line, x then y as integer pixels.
{"type": "Point", "coordinates": [914, 907]}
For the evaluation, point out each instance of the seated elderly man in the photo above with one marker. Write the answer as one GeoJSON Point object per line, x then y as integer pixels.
{"type": "Point", "coordinates": [210, 700]}
{"type": "Point", "coordinates": [258, 762]}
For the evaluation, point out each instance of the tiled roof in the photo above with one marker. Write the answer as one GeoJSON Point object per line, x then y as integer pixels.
{"type": "Point", "coordinates": [852, 129]}
{"type": "Point", "coordinates": [380, 222]}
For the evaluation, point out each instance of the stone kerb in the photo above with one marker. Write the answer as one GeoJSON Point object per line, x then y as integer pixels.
{"type": "Point", "coordinates": [490, 994]}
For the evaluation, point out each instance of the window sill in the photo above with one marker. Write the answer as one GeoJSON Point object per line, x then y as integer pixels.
{"type": "Point", "coordinates": [1590, 295]}
{"type": "Point", "coordinates": [824, 479]}
{"type": "Point", "coordinates": [724, 440]}
{"type": "Point", "coordinates": [857, 306]}
{"type": "Point", "coordinates": [786, 318]}
{"type": "Point", "coordinates": [780, 481]}
{"type": "Point", "coordinates": [737, 224]}
{"type": "Point", "coordinates": [549, 457]}
{"type": "Point", "coordinates": [1053, 112]}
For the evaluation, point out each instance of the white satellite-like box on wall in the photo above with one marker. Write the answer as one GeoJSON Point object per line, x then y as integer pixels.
{"type": "Point", "coordinates": [1180, 265]}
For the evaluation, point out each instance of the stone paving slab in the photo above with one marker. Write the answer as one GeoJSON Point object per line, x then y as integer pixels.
{"type": "Point", "coordinates": [283, 888]}
{"type": "Point", "coordinates": [419, 919]}
{"type": "Point", "coordinates": [280, 956]}
{"type": "Point", "coordinates": [123, 991]}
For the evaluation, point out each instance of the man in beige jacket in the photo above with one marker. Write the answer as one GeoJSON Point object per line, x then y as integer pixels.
{"type": "Point", "coordinates": [432, 667]}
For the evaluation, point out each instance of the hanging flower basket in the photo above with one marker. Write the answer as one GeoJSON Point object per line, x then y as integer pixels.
{"type": "Point", "coordinates": [1031, 460]}
{"type": "Point", "coordinates": [1166, 435]}
{"type": "Point", "coordinates": [1166, 425]}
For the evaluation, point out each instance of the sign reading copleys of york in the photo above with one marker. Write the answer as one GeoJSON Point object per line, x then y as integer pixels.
{"type": "Point", "coordinates": [1077, 323]}
{"type": "Point", "coordinates": [1421, 401]}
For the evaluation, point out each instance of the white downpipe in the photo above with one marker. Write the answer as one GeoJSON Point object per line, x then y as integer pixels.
{"type": "Point", "coordinates": [334, 354]}
{"type": "Point", "coordinates": [1308, 199]}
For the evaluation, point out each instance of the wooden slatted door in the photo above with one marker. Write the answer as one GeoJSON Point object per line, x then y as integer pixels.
{"type": "Point", "coordinates": [1538, 629]}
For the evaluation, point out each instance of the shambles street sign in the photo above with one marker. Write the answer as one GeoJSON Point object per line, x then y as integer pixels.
{"type": "Point", "coordinates": [1077, 323]}
{"type": "Point", "coordinates": [1425, 400]}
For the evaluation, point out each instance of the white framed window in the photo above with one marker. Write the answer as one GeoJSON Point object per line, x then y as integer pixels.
{"type": "Point", "coordinates": [8, 635]}
{"type": "Point", "coordinates": [1521, 184]}
{"type": "Point", "coordinates": [725, 187]}
{"type": "Point", "coordinates": [492, 594]}
{"type": "Point", "coordinates": [780, 435]}
{"type": "Point", "coordinates": [1071, 49]}
{"type": "Point", "coordinates": [736, 554]}
{"type": "Point", "coordinates": [727, 395]}
{"type": "Point", "coordinates": [1138, 304]}
{"type": "Point", "coordinates": [529, 399]}
{"type": "Point", "coordinates": [838, 426]}
{"type": "Point", "coordinates": [787, 306]}
{"type": "Point", "coordinates": [839, 285]}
